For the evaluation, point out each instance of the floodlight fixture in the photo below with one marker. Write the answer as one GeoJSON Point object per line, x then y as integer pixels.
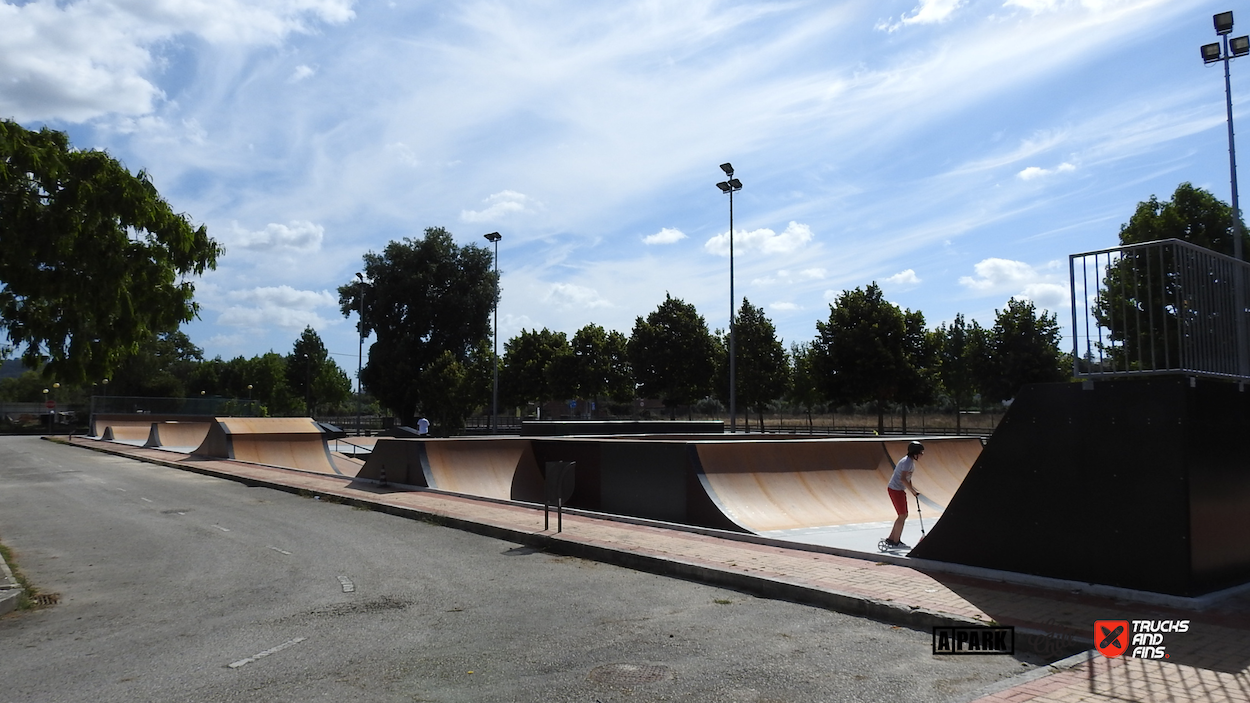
{"type": "Point", "coordinates": [493, 236]}
{"type": "Point", "coordinates": [735, 184]}
{"type": "Point", "coordinates": [1211, 53]}
{"type": "Point", "coordinates": [1223, 22]}
{"type": "Point", "coordinates": [724, 186]}
{"type": "Point", "coordinates": [728, 168]}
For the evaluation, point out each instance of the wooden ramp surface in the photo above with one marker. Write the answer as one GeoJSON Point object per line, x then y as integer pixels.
{"type": "Point", "coordinates": [794, 484]}
{"type": "Point", "coordinates": [288, 442]}
{"type": "Point", "coordinates": [491, 468]}
{"type": "Point", "coordinates": [178, 434]}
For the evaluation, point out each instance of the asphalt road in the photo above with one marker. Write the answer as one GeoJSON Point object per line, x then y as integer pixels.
{"type": "Point", "coordinates": [179, 587]}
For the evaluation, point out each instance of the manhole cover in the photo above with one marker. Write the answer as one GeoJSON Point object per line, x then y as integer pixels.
{"type": "Point", "coordinates": [47, 599]}
{"type": "Point", "coordinates": [628, 674]}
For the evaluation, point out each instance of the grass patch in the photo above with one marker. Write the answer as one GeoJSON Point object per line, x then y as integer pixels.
{"type": "Point", "coordinates": [722, 601]}
{"type": "Point", "coordinates": [26, 600]}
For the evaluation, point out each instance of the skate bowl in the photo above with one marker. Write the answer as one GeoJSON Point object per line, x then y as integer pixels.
{"type": "Point", "coordinates": [285, 442]}
{"type": "Point", "coordinates": [1136, 483]}
{"type": "Point", "coordinates": [739, 484]}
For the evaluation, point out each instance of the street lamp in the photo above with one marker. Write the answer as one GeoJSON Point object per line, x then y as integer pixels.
{"type": "Point", "coordinates": [493, 238]}
{"type": "Point", "coordinates": [729, 186]}
{"type": "Point", "coordinates": [360, 352]}
{"type": "Point", "coordinates": [1211, 53]}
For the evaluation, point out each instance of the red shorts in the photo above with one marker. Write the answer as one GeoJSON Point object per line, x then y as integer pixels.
{"type": "Point", "coordinates": [899, 499]}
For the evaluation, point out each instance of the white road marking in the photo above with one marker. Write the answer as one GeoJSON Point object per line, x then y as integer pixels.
{"type": "Point", "coordinates": [223, 529]}
{"type": "Point", "coordinates": [145, 500]}
{"type": "Point", "coordinates": [123, 490]}
{"type": "Point", "coordinates": [267, 652]}
{"type": "Point", "coordinates": [281, 550]}
{"type": "Point", "coordinates": [348, 586]}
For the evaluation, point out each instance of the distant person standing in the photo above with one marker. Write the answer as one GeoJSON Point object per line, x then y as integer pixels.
{"type": "Point", "coordinates": [900, 485]}
{"type": "Point", "coordinates": [423, 427]}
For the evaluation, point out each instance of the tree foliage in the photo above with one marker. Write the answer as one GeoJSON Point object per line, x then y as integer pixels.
{"type": "Point", "coordinates": [1022, 347]}
{"type": "Point", "coordinates": [425, 297]}
{"type": "Point", "coordinates": [600, 365]}
{"type": "Point", "coordinates": [871, 350]}
{"type": "Point", "coordinates": [313, 376]}
{"type": "Point", "coordinates": [537, 367]}
{"type": "Point", "coordinates": [453, 388]}
{"type": "Point", "coordinates": [94, 261]}
{"type": "Point", "coordinates": [805, 382]}
{"type": "Point", "coordinates": [959, 350]}
{"type": "Point", "coordinates": [761, 367]}
{"type": "Point", "coordinates": [672, 354]}
{"type": "Point", "coordinates": [1139, 302]}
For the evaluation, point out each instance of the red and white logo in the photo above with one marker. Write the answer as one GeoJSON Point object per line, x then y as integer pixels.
{"type": "Point", "coordinates": [1111, 637]}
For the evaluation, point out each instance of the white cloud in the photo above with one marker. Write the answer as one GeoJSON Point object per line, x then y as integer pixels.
{"type": "Point", "coordinates": [927, 12]}
{"type": "Point", "coordinates": [903, 278]}
{"type": "Point", "coordinates": [1042, 284]}
{"type": "Point", "coordinates": [667, 235]}
{"type": "Point", "coordinates": [283, 307]}
{"type": "Point", "coordinates": [80, 60]}
{"type": "Point", "coordinates": [501, 204]}
{"type": "Point", "coordinates": [1032, 172]}
{"type": "Point", "coordinates": [300, 73]}
{"type": "Point", "coordinates": [284, 297]}
{"type": "Point", "coordinates": [299, 236]}
{"type": "Point", "coordinates": [764, 241]}
{"type": "Point", "coordinates": [785, 307]}
{"type": "Point", "coordinates": [570, 296]}
{"type": "Point", "coordinates": [788, 277]}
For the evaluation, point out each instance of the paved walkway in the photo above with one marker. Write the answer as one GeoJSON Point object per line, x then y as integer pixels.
{"type": "Point", "coordinates": [1211, 662]}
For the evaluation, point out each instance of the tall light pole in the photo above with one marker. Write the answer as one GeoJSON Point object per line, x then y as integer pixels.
{"type": "Point", "coordinates": [360, 351]}
{"type": "Point", "coordinates": [1240, 46]}
{"type": "Point", "coordinates": [730, 186]}
{"type": "Point", "coordinates": [494, 238]}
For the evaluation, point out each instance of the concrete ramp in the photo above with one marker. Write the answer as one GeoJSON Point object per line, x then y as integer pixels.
{"type": "Point", "coordinates": [286, 442]}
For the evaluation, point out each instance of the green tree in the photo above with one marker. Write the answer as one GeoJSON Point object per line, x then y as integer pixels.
{"type": "Point", "coordinates": [762, 371]}
{"type": "Point", "coordinates": [1023, 347]}
{"type": "Point", "coordinates": [161, 366]}
{"type": "Point", "coordinates": [425, 296]}
{"type": "Point", "coordinates": [1138, 302]}
{"type": "Point", "coordinates": [95, 262]}
{"type": "Point", "coordinates": [673, 354]}
{"type": "Point", "coordinates": [805, 387]}
{"type": "Point", "coordinates": [868, 352]}
{"type": "Point", "coordinates": [311, 373]}
{"type": "Point", "coordinates": [455, 388]}
{"type": "Point", "coordinates": [957, 358]}
{"type": "Point", "coordinates": [599, 365]}
{"type": "Point", "coordinates": [537, 367]}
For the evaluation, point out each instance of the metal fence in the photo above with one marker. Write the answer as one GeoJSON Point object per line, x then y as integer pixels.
{"type": "Point", "coordinates": [1165, 307]}
{"type": "Point", "coordinates": [207, 405]}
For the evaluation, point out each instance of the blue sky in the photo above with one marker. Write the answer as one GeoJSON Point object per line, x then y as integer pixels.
{"type": "Point", "coordinates": [953, 151]}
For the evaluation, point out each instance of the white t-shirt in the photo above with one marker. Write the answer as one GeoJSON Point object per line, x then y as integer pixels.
{"type": "Point", "coordinates": [423, 426]}
{"type": "Point", "coordinates": [906, 467]}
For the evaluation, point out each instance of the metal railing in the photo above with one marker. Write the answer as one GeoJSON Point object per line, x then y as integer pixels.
{"type": "Point", "coordinates": [1165, 307]}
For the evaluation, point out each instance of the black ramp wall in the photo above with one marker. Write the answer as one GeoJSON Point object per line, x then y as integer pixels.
{"type": "Point", "coordinates": [1129, 483]}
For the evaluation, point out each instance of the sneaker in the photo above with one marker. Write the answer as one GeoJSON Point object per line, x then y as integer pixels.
{"type": "Point", "coordinates": [899, 545]}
